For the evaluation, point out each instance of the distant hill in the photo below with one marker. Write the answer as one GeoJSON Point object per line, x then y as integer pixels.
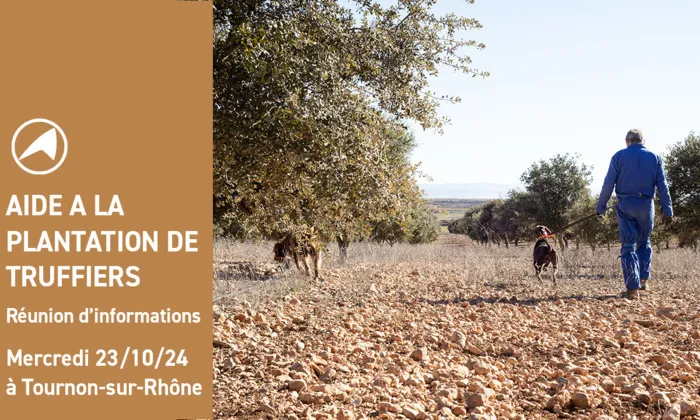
{"type": "Point", "coordinates": [467, 190]}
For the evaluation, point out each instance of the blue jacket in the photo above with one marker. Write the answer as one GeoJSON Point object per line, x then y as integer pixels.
{"type": "Point", "coordinates": [635, 172]}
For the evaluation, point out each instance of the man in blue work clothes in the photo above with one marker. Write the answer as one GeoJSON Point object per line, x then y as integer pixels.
{"type": "Point", "coordinates": [634, 173]}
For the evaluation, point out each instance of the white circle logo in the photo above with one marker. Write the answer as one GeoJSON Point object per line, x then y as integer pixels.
{"type": "Point", "coordinates": [39, 135]}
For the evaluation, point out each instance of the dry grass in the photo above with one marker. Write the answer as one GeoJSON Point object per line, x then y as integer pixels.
{"type": "Point", "coordinates": [581, 270]}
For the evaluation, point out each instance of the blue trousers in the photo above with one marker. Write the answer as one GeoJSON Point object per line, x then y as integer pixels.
{"type": "Point", "coordinates": [635, 219]}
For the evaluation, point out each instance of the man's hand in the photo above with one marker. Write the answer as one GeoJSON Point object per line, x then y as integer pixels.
{"type": "Point", "coordinates": [667, 219]}
{"type": "Point", "coordinates": [600, 215]}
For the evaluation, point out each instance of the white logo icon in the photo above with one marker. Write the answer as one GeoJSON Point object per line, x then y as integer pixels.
{"type": "Point", "coordinates": [46, 143]}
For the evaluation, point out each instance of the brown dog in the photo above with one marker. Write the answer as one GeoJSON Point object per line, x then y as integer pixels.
{"type": "Point", "coordinates": [299, 250]}
{"type": "Point", "coordinates": [544, 254]}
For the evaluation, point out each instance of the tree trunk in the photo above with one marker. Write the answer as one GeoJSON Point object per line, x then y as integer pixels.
{"type": "Point", "coordinates": [342, 249]}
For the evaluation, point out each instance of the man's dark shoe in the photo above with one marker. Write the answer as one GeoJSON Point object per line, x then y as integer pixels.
{"type": "Point", "coordinates": [630, 294]}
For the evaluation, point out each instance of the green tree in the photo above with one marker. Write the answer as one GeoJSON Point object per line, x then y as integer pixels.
{"type": "Point", "coordinates": [662, 233]}
{"type": "Point", "coordinates": [391, 229]}
{"type": "Point", "coordinates": [417, 224]}
{"type": "Point", "coordinates": [593, 232]}
{"type": "Point", "coordinates": [469, 225]}
{"type": "Point", "coordinates": [497, 221]}
{"type": "Point", "coordinates": [518, 217]}
{"type": "Point", "coordinates": [610, 231]}
{"type": "Point", "coordinates": [682, 165]}
{"type": "Point", "coordinates": [553, 188]}
{"type": "Point", "coordinates": [424, 227]}
{"type": "Point", "coordinates": [589, 232]}
{"type": "Point", "coordinates": [308, 96]}
{"type": "Point", "coordinates": [349, 215]}
{"type": "Point", "coordinates": [486, 223]}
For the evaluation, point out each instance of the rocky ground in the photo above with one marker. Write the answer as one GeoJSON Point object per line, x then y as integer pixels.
{"type": "Point", "coordinates": [456, 331]}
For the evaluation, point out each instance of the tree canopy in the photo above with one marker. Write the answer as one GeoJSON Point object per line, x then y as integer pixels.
{"type": "Point", "coordinates": [682, 164]}
{"type": "Point", "coordinates": [311, 104]}
{"type": "Point", "coordinates": [554, 186]}
{"type": "Point", "coordinates": [556, 193]}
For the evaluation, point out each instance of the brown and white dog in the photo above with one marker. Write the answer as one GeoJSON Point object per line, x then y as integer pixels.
{"type": "Point", "coordinates": [544, 253]}
{"type": "Point", "coordinates": [300, 251]}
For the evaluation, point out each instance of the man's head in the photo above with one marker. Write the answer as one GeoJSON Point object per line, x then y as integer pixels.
{"type": "Point", "coordinates": [634, 136]}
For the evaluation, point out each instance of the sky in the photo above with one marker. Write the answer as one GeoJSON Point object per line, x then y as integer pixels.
{"type": "Point", "coordinates": [566, 77]}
